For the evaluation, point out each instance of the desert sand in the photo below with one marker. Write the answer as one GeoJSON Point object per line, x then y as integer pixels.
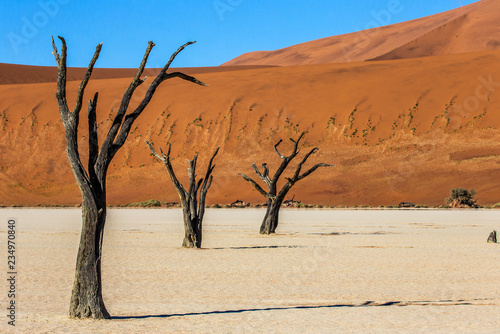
{"type": "Point", "coordinates": [21, 74]}
{"type": "Point", "coordinates": [364, 118]}
{"type": "Point", "coordinates": [467, 29]}
{"type": "Point", "coordinates": [325, 271]}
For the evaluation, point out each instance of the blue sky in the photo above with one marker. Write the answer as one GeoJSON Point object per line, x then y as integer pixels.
{"type": "Point", "coordinates": [224, 29]}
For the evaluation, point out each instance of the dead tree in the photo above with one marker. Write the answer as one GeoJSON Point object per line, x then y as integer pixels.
{"type": "Point", "coordinates": [275, 198]}
{"type": "Point", "coordinates": [492, 238]}
{"type": "Point", "coordinates": [192, 209]}
{"type": "Point", "coordinates": [86, 297]}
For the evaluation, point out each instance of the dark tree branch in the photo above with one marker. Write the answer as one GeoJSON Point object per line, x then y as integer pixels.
{"type": "Point", "coordinates": [83, 84]}
{"type": "Point", "coordinates": [207, 180]}
{"type": "Point", "coordinates": [168, 152]}
{"type": "Point", "coordinates": [165, 158]}
{"type": "Point", "coordinates": [117, 122]}
{"type": "Point", "coordinates": [61, 78]}
{"type": "Point", "coordinates": [192, 175]}
{"type": "Point", "coordinates": [198, 185]}
{"type": "Point", "coordinates": [172, 57]}
{"type": "Point", "coordinates": [299, 166]}
{"type": "Point", "coordinates": [140, 70]}
{"type": "Point", "coordinates": [54, 51]}
{"type": "Point", "coordinates": [185, 77]}
{"type": "Point", "coordinates": [265, 176]}
{"type": "Point", "coordinates": [161, 157]}
{"type": "Point", "coordinates": [129, 119]}
{"type": "Point", "coordinates": [266, 170]}
{"type": "Point", "coordinates": [297, 176]}
{"type": "Point", "coordinates": [276, 149]}
{"type": "Point", "coordinates": [256, 185]}
{"type": "Point", "coordinates": [122, 124]}
{"type": "Point", "coordinates": [93, 140]}
{"type": "Point", "coordinates": [70, 120]}
{"type": "Point", "coordinates": [307, 173]}
{"type": "Point", "coordinates": [286, 159]}
{"type": "Point", "coordinates": [296, 145]}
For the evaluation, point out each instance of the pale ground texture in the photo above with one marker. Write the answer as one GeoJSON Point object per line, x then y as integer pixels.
{"type": "Point", "coordinates": [324, 272]}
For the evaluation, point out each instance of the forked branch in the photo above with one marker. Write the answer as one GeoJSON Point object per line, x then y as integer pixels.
{"type": "Point", "coordinates": [297, 176]}
{"type": "Point", "coordinates": [61, 80]}
{"type": "Point", "coordinates": [193, 211]}
{"type": "Point", "coordinates": [264, 176]}
{"type": "Point", "coordinates": [122, 124]}
{"type": "Point", "coordinates": [165, 158]}
{"type": "Point", "coordinates": [256, 185]}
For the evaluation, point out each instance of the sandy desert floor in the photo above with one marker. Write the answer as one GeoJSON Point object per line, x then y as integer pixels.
{"type": "Point", "coordinates": [338, 271]}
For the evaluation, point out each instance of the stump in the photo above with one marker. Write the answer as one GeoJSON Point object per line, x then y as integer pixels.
{"type": "Point", "coordinates": [493, 237]}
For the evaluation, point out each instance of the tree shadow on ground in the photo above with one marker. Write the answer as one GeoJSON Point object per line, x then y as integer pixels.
{"type": "Point", "coordinates": [257, 247]}
{"type": "Point", "coordinates": [311, 307]}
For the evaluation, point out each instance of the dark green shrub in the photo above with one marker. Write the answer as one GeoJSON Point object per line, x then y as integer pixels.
{"type": "Point", "coordinates": [461, 197]}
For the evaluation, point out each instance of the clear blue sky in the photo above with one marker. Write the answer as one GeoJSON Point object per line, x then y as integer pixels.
{"type": "Point", "coordinates": [224, 29]}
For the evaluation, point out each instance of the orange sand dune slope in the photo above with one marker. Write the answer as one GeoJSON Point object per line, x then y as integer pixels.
{"type": "Point", "coordinates": [399, 130]}
{"type": "Point", "coordinates": [475, 27]}
{"type": "Point", "coordinates": [19, 74]}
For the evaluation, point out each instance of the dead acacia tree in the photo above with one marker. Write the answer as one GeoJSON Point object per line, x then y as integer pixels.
{"type": "Point", "coordinates": [86, 297]}
{"type": "Point", "coordinates": [275, 198]}
{"type": "Point", "coordinates": [192, 211]}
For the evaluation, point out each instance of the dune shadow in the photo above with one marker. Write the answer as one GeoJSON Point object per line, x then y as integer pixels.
{"type": "Point", "coordinates": [305, 307]}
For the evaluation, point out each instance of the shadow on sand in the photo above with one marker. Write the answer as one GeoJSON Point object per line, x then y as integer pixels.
{"type": "Point", "coordinates": [256, 247]}
{"type": "Point", "coordinates": [308, 307]}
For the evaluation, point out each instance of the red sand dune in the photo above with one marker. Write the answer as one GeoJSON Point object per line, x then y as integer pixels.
{"type": "Point", "coordinates": [397, 130]}
{"type": "Point", "coordinates": [16, 74]}
{"type": "Point", "coordinates": [472, 28]}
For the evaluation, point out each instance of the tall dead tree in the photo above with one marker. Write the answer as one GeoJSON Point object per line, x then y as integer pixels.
{"type": "Point", "coordinates": [192, 211]}
{"type": "Point", "coordinates": [86, 297]}
{"type": "Point", "coordinates": [275, 198]}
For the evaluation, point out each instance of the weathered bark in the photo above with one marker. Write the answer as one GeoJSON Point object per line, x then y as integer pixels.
{"type": "Point", "coordinates": [86, 297]}
{"type": "Point", "coordinates": [275, 199]}
{"type": "Point", "coordinates": [270, 221]}
{"type": "Point", "coordinates": [192, 211]}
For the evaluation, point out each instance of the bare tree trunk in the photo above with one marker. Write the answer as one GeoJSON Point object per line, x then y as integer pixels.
{"type": "Point", "coordinates": [192, 211]}
{"type": "Point", "coordinates": [192, 236]}
{"type": "Point", "coordinates": [86, 297]}
{"type": "Point", "coordinates": [271, 219]}
{"type": "Point", "coordinates": [274, 201]}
